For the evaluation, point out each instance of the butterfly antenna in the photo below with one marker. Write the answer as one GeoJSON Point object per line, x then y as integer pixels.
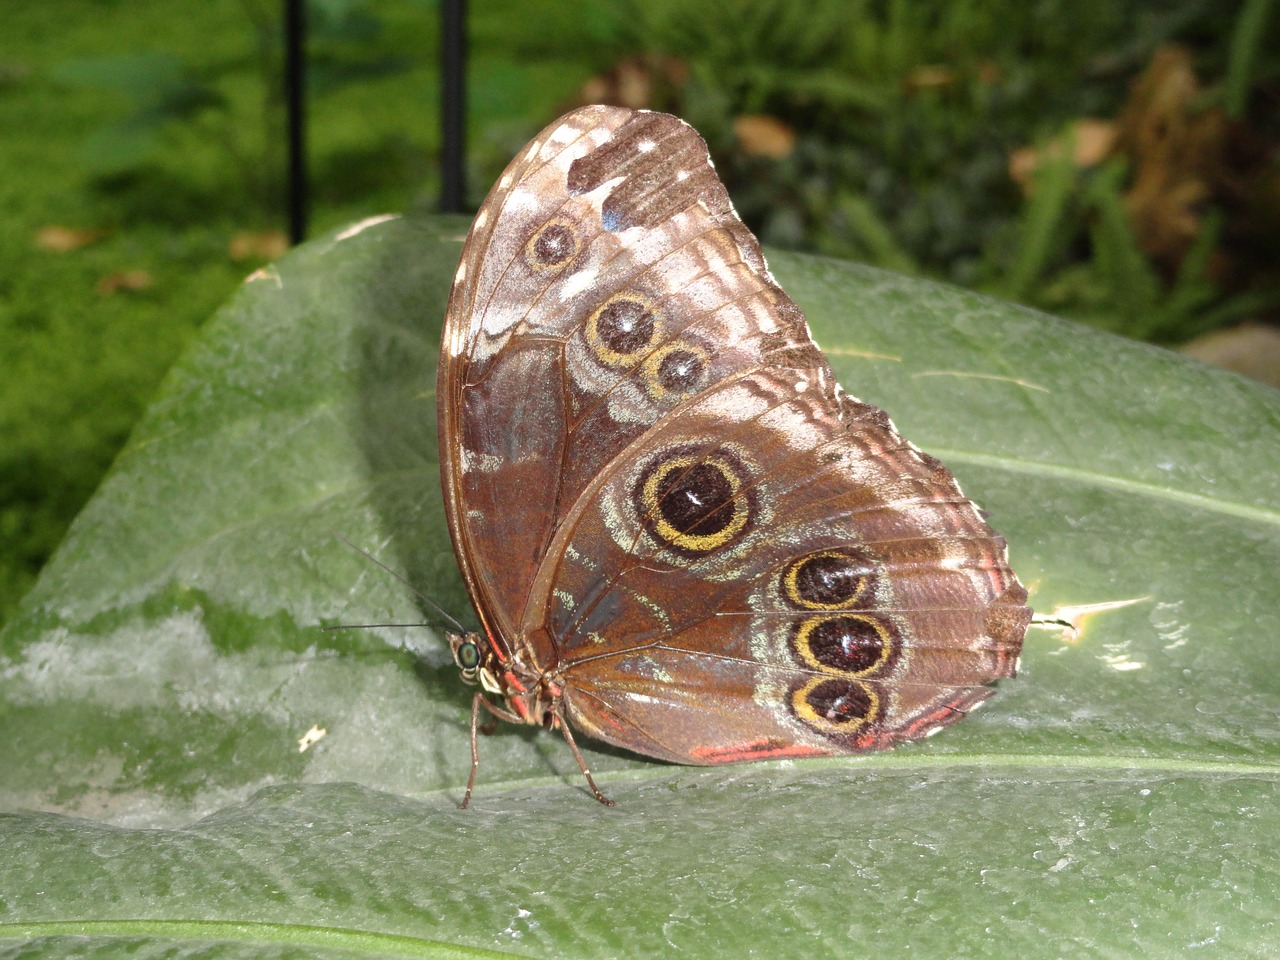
{"type": "Point", "coordinates": [418, 593]}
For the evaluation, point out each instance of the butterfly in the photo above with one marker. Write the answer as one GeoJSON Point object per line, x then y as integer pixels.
{"type": "Point", "coordinates": [680, 535]}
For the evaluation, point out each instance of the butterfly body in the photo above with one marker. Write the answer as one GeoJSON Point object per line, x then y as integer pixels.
{"type": "Point", "coordinates": [680, 534]}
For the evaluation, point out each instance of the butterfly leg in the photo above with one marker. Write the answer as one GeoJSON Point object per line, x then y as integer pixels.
{"type": "Point", "coordinates": [582, 764]}
{"type": "Point", "coordinates": [478, 701]}
{"type": "Point", "coordinates": [475, 752]}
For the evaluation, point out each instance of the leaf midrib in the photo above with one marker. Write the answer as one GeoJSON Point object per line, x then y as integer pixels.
{"type": "Point", "coordinates": [1144, 488]}
{"type": "Point", "coordinates": [305, 935]}
{"type": "Point", "coordinates": [899, 763]}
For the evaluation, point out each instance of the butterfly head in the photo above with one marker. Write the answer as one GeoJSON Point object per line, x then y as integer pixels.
{"type": "Point", "coordinates": [475, 659]}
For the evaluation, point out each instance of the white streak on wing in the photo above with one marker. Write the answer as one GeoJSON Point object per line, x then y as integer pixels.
{"type": "Point", "coordinates": [457, 344]}
{"type": "Point", "coordinates": [645, 146]}
{"type": "Point", "coordinates": [498, 319]}
{"type": "Point", "coordinates": [763, 317]}
{"type": "Point", "coordinates": [735, 405]}
{"type": "Point", "coordinates": [793, 428]}
{"type": "Point", "coordinates": [481, 219]}
{"type": "Point", "coordinates": [575, 284]}
{"type": "Point", "coordinates": [521, 198]}
{"type": "Point", "coordinates": [566, 131]}
{"type": "Point", "coordinates": [505, 181]}
{"type": "Point", "coordinates": [473, 462]}
{"type": "Point", "coordinates": [645, 698]}
{"type": "Point", "coordinates": [462, 272]}
{"type": "Point", "coordinates": [600, 194]}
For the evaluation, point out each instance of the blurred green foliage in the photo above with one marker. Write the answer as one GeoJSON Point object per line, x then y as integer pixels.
{"type": "Point", "coordinates": [156, 126]}
{"type": "Point", "coordinates": [907, 115]}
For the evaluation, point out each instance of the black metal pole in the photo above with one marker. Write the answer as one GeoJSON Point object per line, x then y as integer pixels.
{"type": "Point", "coordinates": [295, 109]}
{"type": "Point", "coordinates": [453, 126]}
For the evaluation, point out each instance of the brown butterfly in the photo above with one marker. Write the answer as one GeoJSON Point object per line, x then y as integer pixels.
{"type": "Point", "coordinates": [682, 537]}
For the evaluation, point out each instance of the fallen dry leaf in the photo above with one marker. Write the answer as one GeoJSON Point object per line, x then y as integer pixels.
{"type": "Point", "coordinates": [760, 135]}
{"type": "Point", "coordinates": [930, 76]}
{"type": "Point", "coordinates": [260, 245]}
{"type": "Point", "coordinates": [1177, 148]}
{"type": "Point", "coordinates": [125, 280]}
{"type": "Point", "coordinates": [640, 82]}
{"type": "Point", "coordinates": [1092, 140]}
{"type": "Point", "coordinates": [1252, 349]}
{"type": "Point", "coordinates": [65, 239]}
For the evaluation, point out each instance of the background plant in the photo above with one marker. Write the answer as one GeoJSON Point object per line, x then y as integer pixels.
{"type": "Point", "coordinates": [140, 171]}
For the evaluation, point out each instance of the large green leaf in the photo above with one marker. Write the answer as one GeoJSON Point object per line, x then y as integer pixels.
{"type": "Point", "coordinates": [1118, 798]}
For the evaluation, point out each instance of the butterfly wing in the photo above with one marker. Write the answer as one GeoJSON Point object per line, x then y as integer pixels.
{"type": "Point", "coordinates": [772, 571]}
{"type": "Point", "coordinates": [659, 494]}
{"type": "Point", "coordinates": [605, 280]}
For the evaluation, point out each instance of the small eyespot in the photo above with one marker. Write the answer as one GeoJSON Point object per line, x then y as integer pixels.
{"type": "Point", "coordinates": [826, 580]}
{"type": "Point", "coordinates": [836, 707]}
{"type": "Point", "coordinates": [554, 245]}
{"type": "Point", "coordinates": [852, 644]}
{"type": "Point", "coordinates": [620, 329]}
{"type": "Point", "coordinates": [675, 371]}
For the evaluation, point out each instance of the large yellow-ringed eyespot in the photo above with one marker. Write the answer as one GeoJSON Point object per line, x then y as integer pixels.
{"type": "Point", "coordinates": [836, 706]}
{"type": "Point", "coordinates": [827, 580]}
{"type": "Point", "coordinates": [621, 329]}
{"type": "Point", "coordinates": [695, 502]}
{"type": "Point", "coordinates": [852, 644]}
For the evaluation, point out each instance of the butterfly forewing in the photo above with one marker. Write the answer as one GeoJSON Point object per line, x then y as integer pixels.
{"type": "Point", "coordinates": [615, 327]}
{"type": "Point", "coordinates": [665, 507]}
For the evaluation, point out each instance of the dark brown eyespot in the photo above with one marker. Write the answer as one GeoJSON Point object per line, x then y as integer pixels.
{"type": "Point", "coordinates": [619, 330]}
{"type": "Point", "coordinates": [695, 502]}
{"type": "Point", "coordinates": [554, 245]}
{"type": "Point", "coordinates": [828, 580]}
{"type": "Point", "coordinates": [852, 644]}
{"type": "Point", "coordinates": [675, 371]}
{"type": "Point", "coordinates": [834, 705]}
{"type": "Point", "coordinates": [625, 325]}
{"type": "Point", "coordinates": [696, 498]}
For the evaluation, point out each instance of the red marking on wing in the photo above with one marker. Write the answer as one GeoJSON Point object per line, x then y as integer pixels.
{"type": "Point", "coordinates": [497, 648]}
{"type": "Point", "coordinates": [762, 749]}
{"type": "Point", "coordinates": [944, 715]}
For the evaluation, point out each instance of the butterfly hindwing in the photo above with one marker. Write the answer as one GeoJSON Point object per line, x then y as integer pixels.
{"type": "Point", "coordinates": [776, 537]}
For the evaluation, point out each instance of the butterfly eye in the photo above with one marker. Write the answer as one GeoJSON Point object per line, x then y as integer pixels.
{"type": "Point", "coordinates": [468, 657]}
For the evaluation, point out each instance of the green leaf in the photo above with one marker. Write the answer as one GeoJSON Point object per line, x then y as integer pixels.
{"type": "Point", "coordinates": [1117, 798]}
